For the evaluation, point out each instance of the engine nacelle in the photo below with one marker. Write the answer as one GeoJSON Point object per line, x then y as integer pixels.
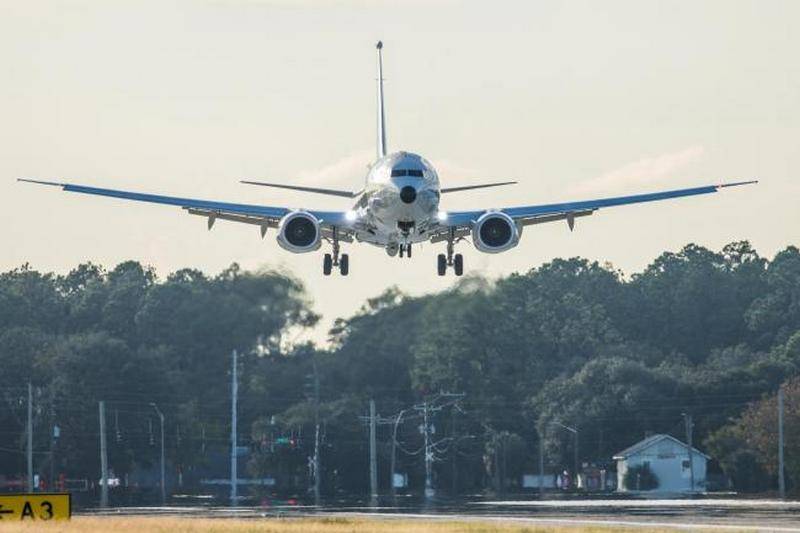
{"type": "Point", "coordinates": [495, 232]}
{"type": "Point", "coordinates": [299, 232]}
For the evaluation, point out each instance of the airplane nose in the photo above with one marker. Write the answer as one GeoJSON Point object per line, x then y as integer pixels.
{"type": "Point", "coordinates": [408, 194]}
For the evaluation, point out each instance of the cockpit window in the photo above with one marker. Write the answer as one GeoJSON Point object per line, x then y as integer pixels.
{"type": "Point", "coordinates": [403, 172]}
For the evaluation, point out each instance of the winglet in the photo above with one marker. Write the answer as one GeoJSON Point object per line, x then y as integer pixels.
{"type": "Point", "coordinates": [735, 184]}
{"type": "Point", "coordinates": [41, 182]}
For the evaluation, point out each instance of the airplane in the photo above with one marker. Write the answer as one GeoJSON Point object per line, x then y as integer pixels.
{"type": "Point", "coordinates": [398, 207]}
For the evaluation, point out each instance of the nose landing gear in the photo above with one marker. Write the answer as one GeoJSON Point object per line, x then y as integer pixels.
{"type": "Point", "coordinates": [329, 261]}
{"type": "Point", "coordinates": [405, 249]}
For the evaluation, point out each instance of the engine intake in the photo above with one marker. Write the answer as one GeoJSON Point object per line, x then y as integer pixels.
{"type": "Point", "coordinates": [299, 232]}
{"type": "Point", "coordinates": [495, 232]}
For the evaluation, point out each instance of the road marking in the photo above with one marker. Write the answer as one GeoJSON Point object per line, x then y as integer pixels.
{"type": "Point", "coordinates": [577, 522]}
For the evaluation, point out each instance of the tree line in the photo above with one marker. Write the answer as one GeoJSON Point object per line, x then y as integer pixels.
{"type": "Point", "coordinates": [572, 342]}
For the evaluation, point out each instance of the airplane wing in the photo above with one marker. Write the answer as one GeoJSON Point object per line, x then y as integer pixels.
{"type": "Point", "coordinates": [317, 190]}
{"type": "Point", "coordinates": [461, 221]}
{"type": "Point", "coordinates": [263, 216]}
{"type": "Point", "coordinates": [446, 190]}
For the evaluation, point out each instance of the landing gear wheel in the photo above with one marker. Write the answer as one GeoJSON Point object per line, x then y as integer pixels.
{"type": "Point", "coordinates": [402, 249]}
{"type": "Point", "coordinates": [327, 265]}
{"type": "Point", "coordinates": [408, 251]}
{"type": "Point", "coordinates": [458, 264]}
{"type": "Point", "coordinates": [441, 264]}
{"type": "Point", "coordinates": [344, 264]}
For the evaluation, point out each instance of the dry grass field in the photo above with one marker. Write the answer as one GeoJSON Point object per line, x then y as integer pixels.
{"type": "Point", "coordinates": [272, 525]}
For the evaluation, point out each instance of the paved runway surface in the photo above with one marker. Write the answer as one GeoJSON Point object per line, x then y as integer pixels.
{"type": "Point", "coordinates": [698, 515]}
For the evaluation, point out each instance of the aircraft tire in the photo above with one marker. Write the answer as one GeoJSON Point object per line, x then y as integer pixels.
{"type": "Point", "coordinates": [441, 264]}
{"type": "Point", "coordinates": [327, 265]}
{"type": "Point", "coordinates": [344, 265]}
{"type": "Point", "coordinates": [458, 264]}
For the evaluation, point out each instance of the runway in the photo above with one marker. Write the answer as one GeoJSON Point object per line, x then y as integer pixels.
{"type": "Point", "coordinates": [691, 515]}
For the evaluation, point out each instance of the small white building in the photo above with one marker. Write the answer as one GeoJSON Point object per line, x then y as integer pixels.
{"type": "Point", "coordinates": [668, 459]}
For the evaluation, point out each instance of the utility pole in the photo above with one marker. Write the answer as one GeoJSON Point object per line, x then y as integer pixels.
{"type": "Point", "coordinates": [428, 429]}
{"type": "Point", "coordinates": [429, 492]}
{"type": "Point", "coordinates": [163, 458]}
{"type": "Point", "coordinates": [234, 440]}
{"type": "Point", "coordinates": [29, 432]}
{"type": "Point", "coordinates": [454, 455]}
{"type": "Point", "coordinates": [373, 459]}
{"type": "Point", "coordinates": [103, 457]}
{"type": "Point", "coordinates": [689, 448]}
{"type": "Point", "coordinates": [541, 462]}
{"type": "Point", "coordinates": [781, 480]}
{"type": "Point", "coordinates": [316, 436]}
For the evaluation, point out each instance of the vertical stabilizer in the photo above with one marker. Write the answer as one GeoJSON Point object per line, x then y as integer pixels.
{"type": "Point", "coordinates": [381, 115]}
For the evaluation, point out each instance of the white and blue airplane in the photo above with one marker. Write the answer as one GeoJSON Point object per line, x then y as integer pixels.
{"type": "Point", "coordinates": [398, 206]}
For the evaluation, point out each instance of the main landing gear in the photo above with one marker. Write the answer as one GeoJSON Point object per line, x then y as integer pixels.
{"type": "Point", "coordinates": [454, 260]}
{"type": "Point", "coordinates": [335, 260]}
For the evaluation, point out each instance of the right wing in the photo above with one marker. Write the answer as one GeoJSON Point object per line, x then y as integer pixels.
{"type": "Point", "coordinates": [263, 216]}
{"type": "Point", "coordinates": [459, 223]}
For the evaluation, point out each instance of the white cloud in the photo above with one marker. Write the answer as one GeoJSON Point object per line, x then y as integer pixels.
{"type": "Point", "coordinates": [348, 171]}
{"type": "Point", "coordinates": [451, 172]}
{"type": "Point", "coordinates": [644, 171]}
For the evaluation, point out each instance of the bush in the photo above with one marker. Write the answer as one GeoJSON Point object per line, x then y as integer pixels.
{"type": "Point", "coordinates": [640, 477]}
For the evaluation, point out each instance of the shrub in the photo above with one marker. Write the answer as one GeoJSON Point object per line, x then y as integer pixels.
{"type": "Point", "coordinates": [640, 477]}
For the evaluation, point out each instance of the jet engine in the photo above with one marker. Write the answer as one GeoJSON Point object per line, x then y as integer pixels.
{"type": "Point", "coordinates": [299, 232]}
{"type": "Point", "coordinates": [495, 232]}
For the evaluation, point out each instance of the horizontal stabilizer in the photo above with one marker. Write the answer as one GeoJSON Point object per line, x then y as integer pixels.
{"type": "Point", "coordinates": [329, 192]}
{"type": "Point", "coordinates": [482, 186]}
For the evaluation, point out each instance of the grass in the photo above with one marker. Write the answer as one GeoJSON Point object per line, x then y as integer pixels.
{"type": "Point", "coordinates": [83, 524]}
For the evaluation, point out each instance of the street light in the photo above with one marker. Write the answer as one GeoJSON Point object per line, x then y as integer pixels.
{"type": "Point", "coordinates": [574, 431]}
{"type": "Point", "coordinates": [163, 473]}
{"type": "Point", "coordinates": [397, 420]}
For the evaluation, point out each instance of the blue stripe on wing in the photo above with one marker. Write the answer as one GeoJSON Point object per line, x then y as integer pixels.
{"type": "Point", "coordinates": [531, 211]}
{"type": "Point", "coordinates": [549, 209]}
{"type": "Point", "coordinates": [244, 209]}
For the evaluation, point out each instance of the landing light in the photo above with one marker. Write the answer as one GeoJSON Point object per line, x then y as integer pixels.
{"type": "Point", "coordinates": [350, 216]}
{"type": "Point", "coordinates": [442, 216]}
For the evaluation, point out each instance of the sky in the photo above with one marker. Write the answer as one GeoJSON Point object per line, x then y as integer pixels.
{"type": "Point", "coordinates": [574, 99]}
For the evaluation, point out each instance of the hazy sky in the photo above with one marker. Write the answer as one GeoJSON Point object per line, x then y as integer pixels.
{"type": "Point", "coordinates": [573, 99]}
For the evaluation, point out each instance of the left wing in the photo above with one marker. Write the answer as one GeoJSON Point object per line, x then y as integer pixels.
{"type": "Point", "coordinates": [263, 216]}
{"type": "Point", "coordinates": [537, 214]}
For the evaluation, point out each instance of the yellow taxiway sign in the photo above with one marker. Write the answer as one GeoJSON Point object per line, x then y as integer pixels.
{"type": "Point", "coordinates": [35, 507]}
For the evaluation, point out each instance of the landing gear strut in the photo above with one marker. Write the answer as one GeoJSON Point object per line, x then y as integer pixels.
{"type": "Point", "coordinates": [454, 260]}
{"type": "Point", "coordinates": [329, 261]}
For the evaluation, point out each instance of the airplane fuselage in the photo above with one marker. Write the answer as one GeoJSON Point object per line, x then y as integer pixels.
{"type": "Point", "coordinates": [400, 201]}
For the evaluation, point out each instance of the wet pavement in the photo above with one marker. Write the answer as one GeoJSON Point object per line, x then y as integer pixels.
{"type": "Point", "coordinates": [729, 514]}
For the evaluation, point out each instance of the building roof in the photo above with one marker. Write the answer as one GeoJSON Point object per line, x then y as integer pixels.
{"type": "Point", "coordinates": [650, 441]}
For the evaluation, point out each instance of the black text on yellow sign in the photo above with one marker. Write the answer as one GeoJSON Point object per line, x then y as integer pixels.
{"type": "Point", "coordinates": [36, 507]}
